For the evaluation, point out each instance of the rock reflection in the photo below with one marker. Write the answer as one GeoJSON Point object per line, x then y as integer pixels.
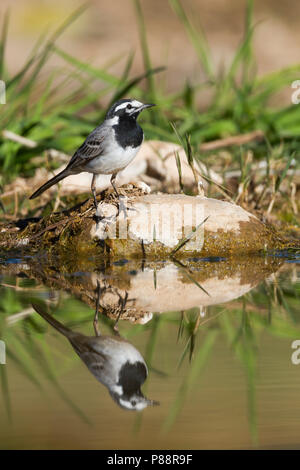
{"type": "Point", "coordinates": [135, 290]}
{"type": "Point", "coordinates": [112, 360]}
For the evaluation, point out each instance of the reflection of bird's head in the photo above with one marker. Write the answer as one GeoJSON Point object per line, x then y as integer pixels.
{"type": "Point", "coordinates": [136, 402]}
{"type": "Point", "coordinates": [127, 392]}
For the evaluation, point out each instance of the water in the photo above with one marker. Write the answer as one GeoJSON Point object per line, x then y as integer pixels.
{"type": "Point", "coordinates": [216, 335]}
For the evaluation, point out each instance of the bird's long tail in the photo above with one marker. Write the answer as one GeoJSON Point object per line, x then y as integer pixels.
{"type": "Point", "coordinates": [63, 174]}
{"type": "Point", "coordinates": [53, 322]}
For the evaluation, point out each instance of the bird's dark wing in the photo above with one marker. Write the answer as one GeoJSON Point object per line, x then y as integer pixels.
{"type": "Point", "coordinates": [92, 147]}
{"type": "Point", "coordinates": [98, 363]}
{"type": "Point", "coordinates": [83, 345]}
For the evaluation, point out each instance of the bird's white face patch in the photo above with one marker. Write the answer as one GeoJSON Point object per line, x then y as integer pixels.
{"type": "Point", "coordinates": [113, 121]}
{"type": "Point", "coordinates": [134, 103]}
{"type": "Point", "coordinates": [117, 389]}
{"type": "Point", "coordinates": [139, 406]}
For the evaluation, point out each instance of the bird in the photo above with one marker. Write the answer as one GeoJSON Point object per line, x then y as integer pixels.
{"type": "Point", "coordinates": [112, 360]}
{"type": "Point", "coordinates": [109, 148]}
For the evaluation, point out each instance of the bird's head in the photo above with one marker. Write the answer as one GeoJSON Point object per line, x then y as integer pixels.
{"type": "Point", "coordinates": [127, 392]}
{"type": "Point", "coordinates": [127, 108]}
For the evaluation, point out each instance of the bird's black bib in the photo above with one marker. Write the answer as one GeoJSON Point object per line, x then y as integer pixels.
{"type": "Point", "coordinates": [128, 133]}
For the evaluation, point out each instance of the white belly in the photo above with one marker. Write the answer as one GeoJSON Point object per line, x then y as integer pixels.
{"type": "Point", "coordinates": [112, 162]}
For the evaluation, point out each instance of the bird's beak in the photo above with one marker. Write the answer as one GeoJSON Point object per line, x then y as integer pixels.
{"type": "Point", "coordinates": [149, 402]}
{"type": "Point", "coordinates": [152, 402]}
{"type": "Point", "coordinates": [145, 106]}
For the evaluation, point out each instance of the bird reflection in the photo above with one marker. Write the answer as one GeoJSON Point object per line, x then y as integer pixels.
{"type": "Point", "coordinates": [113, 361]}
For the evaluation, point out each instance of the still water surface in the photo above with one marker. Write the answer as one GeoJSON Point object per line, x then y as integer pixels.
{"type": "Point", "coordinates": [216, 336]}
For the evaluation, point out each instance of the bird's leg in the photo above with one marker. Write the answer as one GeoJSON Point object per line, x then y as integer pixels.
{"type": "Point", "coordinates": [112, 180]}
{"type": "Point", "coordinates": [93, 189]}
{"type": "Point", "coordinates": [121, 207]}
{"type": "Point", "coordinates": [98, 215]}
{"type": "Point", "coordinates": [96, 328]}
{"type": "Point", "coordinates": [122, 304]}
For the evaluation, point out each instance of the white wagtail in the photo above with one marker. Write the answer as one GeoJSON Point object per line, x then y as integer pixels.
{"type": "Point", "coordinates": [109, 148]}
{"type": "Point", "coordinates": [113, 361]}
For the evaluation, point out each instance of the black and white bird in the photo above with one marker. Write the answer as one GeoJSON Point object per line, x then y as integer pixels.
{"type": "Point", "coordinates": [112, 360]}
{"type": "Point", "coordinates": [109, 148]}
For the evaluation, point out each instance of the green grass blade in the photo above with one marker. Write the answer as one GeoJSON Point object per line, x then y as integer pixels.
{"type": "Point", "coordinates": [284, 172]}
{"type": "Point", "coordinates": [98, 73]}
{"type": "Point", "coordinates": [5, 392]}
{"type": "Point", "coordinates": [190, 235]}
{"type": "Point", "coordinates": [195, 369]}
{"type": "Point", "coordinates": [3, 43]}
{"type": "Point", "coordinates": [197, 38]}
{"type": "Point", "coordinates": [144, 46]}
{"type": "Point", "coordinates": [132, 83]}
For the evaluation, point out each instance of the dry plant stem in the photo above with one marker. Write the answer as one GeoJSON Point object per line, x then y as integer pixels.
{"type": "Point", "coordinates": [200, 188]}
{"type": "Point", "coordinates": [10, 193]}
{"type": "Point", "coordinates": [53, 153]}
{"type": "Point", "coordinates": [234, 140]}
{"type": "Point", "coordinates": [57, 155]}
{"type": "Point", "coordinates": [19, 316]}
{"type": "Point", "coordinates": [198, 180]}
{"type": "Point", "coordinates": [65, 227]}
{"type": "Point", "coordinates": [19, 139]}
{"type": "Point", "coordinates": [16, 204]}
{"type": "Point", "coordinates": [218, 186]}
{"type": "Point", "coordinates": [196, 327]}
{"type": "Point", "coordinates": [293, 198]}
{"type": "Point", "coordinates": [50, 227]}
{"type": "Point", "coordinates": [57, 202]}
{"type": "Point", "coordinates": [22, 289]}
{"type": "Point", "coordinates": [269, 210]}
{"type": "Point", "coordinates": [261, 198]}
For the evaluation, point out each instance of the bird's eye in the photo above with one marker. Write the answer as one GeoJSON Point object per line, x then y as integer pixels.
{"type": "Point", "coordinates": [129, 106]}
{"type": "Point", "coordinates": [133, 402]}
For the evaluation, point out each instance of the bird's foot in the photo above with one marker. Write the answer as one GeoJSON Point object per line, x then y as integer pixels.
{"type": "Point", "coordinates": [122, 207]}
{"type": "Point", "coordinates": [98, 214]}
